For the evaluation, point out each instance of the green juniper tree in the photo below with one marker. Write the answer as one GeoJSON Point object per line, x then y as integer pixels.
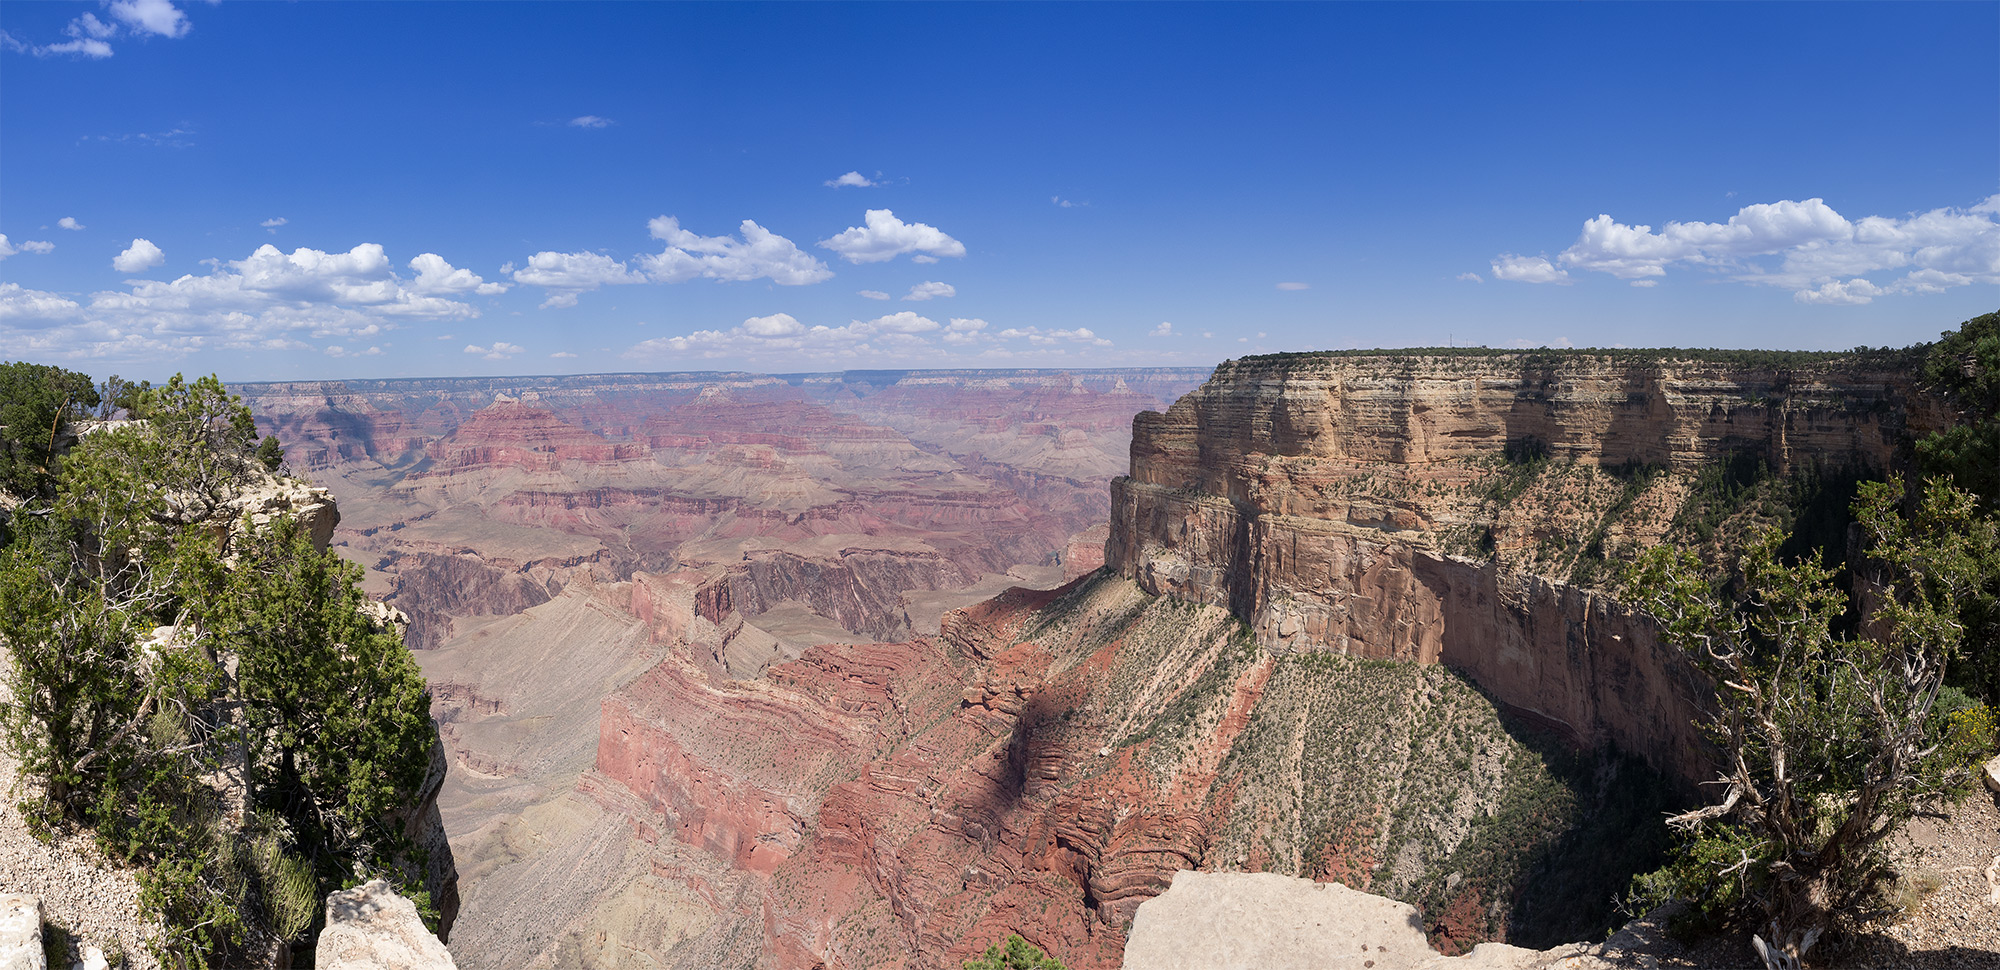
{"type": "Point", "coordinates": [1964, 366]}
{"type": "Point", "coordinates": [1828, 742]}
{"type": "Point", "coordinates": [263, 670]}
{"type": "Point", "coordinates": [336, 714]}
{"type": "Point", "coordinates": [38, 402]}
{"type": "Point", "coordinates": [1014, 954]}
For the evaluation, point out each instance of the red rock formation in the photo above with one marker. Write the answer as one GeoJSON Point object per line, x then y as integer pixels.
{"type": "Point", "coordinates": [512, 433]}
{"type": "Point", "coordinates": [944, 786]}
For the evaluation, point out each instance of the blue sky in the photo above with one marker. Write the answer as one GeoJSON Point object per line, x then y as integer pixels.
{"type": "Point", "coordinates": [468, 188]}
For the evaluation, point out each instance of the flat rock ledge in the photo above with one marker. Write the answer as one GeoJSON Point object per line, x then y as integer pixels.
{"type": "Point", "coordinates": [21, 932]}
{"type": "Point", "coordinates": [1265, 921]}
{"type": "Point", "coordinates": [371, 927]}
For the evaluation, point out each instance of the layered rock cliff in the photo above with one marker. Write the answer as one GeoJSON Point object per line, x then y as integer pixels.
{"type": "Point", "coordinates": [1435, 507]}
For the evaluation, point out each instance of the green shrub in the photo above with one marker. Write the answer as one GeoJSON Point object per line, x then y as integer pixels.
{"type": "Point", "coordinates": [1015, 954]}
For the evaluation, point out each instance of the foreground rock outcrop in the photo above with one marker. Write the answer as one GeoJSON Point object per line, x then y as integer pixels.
{"type": "Point", "coordinates": [371, 927]}
{"type": "Point", "coordinates": [1264, 921]}
{"type": "Point", "coordinates": [21, 932]}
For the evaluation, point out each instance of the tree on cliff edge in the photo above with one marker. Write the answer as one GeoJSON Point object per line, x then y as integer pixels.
{"type": "Point", "coordinates": [1828, 743]}
{"type": "Point", "coordinates": [260, 667]}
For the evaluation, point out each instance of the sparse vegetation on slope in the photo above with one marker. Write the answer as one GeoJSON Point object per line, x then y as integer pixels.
{"type": "Point", "coordinates": [1397, 778]}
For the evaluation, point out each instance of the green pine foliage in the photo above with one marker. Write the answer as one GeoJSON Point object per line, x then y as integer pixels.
{"type": "Point", "coordinates": [241, 799]}
{"type": "Point", "coordinates": [271, 453]}
{"type": "Point", "coordinates": [337, 717]}
{"type": "Point", "coordinates": [1828, 742]}
{"type": "Point", "coordinates": [37, 404]}
{"type": "Point", "coordinates": [1965, 367]}
{"type": "Point", "coordinates": [1015, 954]}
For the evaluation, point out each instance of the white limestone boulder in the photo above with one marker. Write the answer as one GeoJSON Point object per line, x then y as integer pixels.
{"type": "Point", "coordinates": [21, 932]}
{"type": "Point", "coordinates": [371, 927]}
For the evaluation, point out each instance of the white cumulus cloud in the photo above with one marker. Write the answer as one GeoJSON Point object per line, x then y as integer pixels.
{"type": "Point", "coordinates": [501, 350]}
{"type": "Point", "coordinates": [883, 237]}
{"type": "Point", "coordinates": [928, 290]}
{"type": "Point", "coordinates": [562, 354]}
{"type": "Point", "coordinates": [90, 37]}
{"type": "Point", "coordinates": [1804, 246]}
{"type": "Point", "coordinates": [1528, 269]}
{"type": "Point", "coordinates": [141, 255]}
{"type": "Point", "coordinates": [28, 246]}
{"type": "Point", "coordinates": [907, 321]}
{"type": "Point", "coordinates": [1471, 278]}
{"type": "Point", "coordinates": [20, 303]}
{"type": "Point", "coordinates": [1038, 336]}
{"type": "Point", "coordinates": [270, 300]}
{"type": "Point", "coordinates": [1838, 293]}
{"type": "Point", "coordinates": [435, 277]}
{"type": "Point", "coordinates": [70, 223]}
{"type": "Point", "coordinates": [590, 121]}
{"type": "Point", "coordinates": [150, 17]}
{"type": "Point", "coordinates": [775, 325]}
{"type": "Point", "coordinates": [964, 330]}
{"type": "Point", "coordinates": [1165, 329]}
{"type": "Point", "coordinates": [564, 275]}
{"type": "Point", "coordinates": [760, 254]}
{"type": "Point", "coordinates": [872, 294]}
{"type": "Point", "coordinates": [854, 180]}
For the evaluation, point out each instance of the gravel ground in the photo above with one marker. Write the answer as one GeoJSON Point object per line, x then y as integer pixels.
{"type": "Point", "coordinates": [1955, 927]}
{"type": "Point", "coordinates": [82, 893]}
{"type": "Point", "coordinates": [1958, 926]}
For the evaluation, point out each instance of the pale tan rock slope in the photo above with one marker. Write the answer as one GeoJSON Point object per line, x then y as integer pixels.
{"type": "Point", "coordinates": [1264, 921]}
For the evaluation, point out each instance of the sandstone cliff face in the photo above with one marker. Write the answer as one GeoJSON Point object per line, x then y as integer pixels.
{"type": "Point", "coordinates": [1315, 498]}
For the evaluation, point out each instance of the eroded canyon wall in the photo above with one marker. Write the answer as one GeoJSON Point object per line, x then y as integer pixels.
{"type": "Point", "coordinates": [1315, 496]}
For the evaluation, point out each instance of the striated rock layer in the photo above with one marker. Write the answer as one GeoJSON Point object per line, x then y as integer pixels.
{"type": "Point", "coordinates": [1044, 766]}
{"type": "Point", "coordinates": [826, 498]}
{"type": "Point", "coordinates": [1312, 496]}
